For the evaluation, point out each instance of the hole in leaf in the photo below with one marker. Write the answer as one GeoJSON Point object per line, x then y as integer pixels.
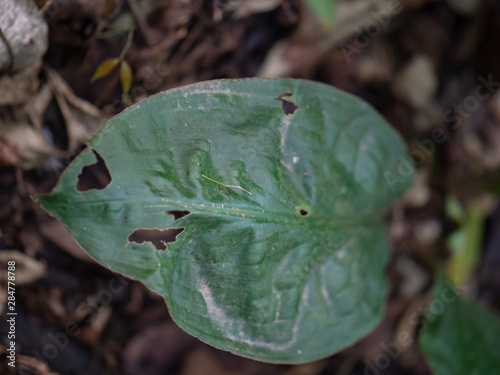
{"type": "Point", "coordinates": [159, 238]}
{"type": "Point", "coordinates": [288, 107]}
{"type": "Point", "coordinates": [178, 214]}
{"type": "Point", "coordinates": [94, 176]}
{"type": "Point", "coordinates": [303, 212]}
{"type": "Point", "coordinates": [283, 95]}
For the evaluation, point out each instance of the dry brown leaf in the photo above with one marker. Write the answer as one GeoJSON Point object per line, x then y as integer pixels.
{"type": "Point", "coordinates": [34, 365]}
{"type": "Point", "coordinates": [202, 362]}
{"type": "Point", "coordinates": [82, 119]}
{"type": "Point", "coordinates": [417, 83]}
{"type": "Point", "coordinates": [92, 333]}
{"type": "Point", "coordinates": [243, 8]}
{"type": "Point", "coordinates": [37, 105]}
{"type": "Point", "coordinates": [29, 144]}
{"type": "Point", "coordinates": [8, 155]}
{"type": "Point", "coordinates": [313, 368]}
{"type": "Point", "coordinates": [17, 88]}
{"type": "Point", "coordinates": [351, 16]}
{"type": "Point", "coordinates": [55, 231]}
{"type": "Point", "coordinates": [27, 268]}
{"type": "Point", "coordinates": [465, 7]}
{"type": "Point", "coordinates": [156, 347]}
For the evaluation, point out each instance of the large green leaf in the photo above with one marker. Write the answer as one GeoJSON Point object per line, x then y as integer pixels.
{"type": "Point", "coordinates": [461, 337]}
{"type": "Point", "coordinates": [281, 258]}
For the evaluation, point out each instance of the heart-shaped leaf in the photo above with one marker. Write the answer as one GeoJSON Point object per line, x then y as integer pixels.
{"type": "Point", "coordinates": [252, 206]}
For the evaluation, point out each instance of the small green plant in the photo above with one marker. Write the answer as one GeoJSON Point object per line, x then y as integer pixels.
{"type": "Point", "coordinates": [252, 206]}
{"type": "Point", "coordinates": [108, 65]}
{"type": "Point", "coordinates": [465, 242]}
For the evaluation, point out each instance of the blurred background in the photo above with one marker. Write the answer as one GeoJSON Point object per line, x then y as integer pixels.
{"type": "Point", "coordinates": [430, 67]}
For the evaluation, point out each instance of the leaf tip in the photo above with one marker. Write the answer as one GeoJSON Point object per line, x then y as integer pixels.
{"type": "Point", "coordinates": [104, 69]}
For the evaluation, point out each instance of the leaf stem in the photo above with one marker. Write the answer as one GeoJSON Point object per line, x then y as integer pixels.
{"type": "Point", "coordinates": [127, 45]}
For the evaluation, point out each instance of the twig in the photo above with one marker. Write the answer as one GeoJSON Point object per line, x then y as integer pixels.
{"type": "Point", "coordinates": [127, 44]}
{"type": "Point", "coordinates": [141, 21]}
{"type": "Point", "coordinates": [45, 6]}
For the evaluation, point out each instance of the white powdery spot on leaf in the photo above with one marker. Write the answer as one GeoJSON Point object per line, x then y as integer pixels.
{"type": "Point", "coordinates": [284, 127]}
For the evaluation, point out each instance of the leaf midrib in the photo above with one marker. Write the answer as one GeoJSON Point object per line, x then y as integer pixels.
{"type": "Point", "coordinates": [266, 216]}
